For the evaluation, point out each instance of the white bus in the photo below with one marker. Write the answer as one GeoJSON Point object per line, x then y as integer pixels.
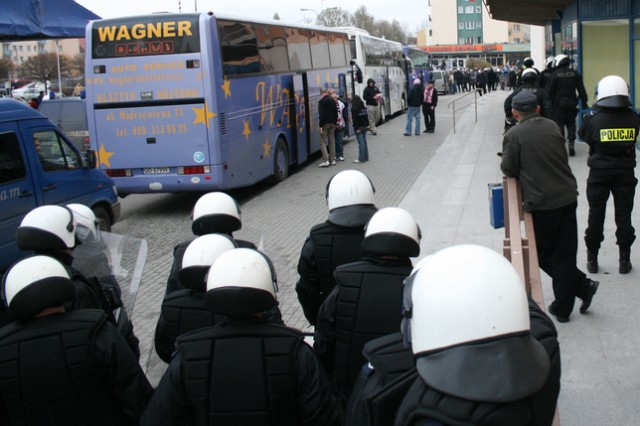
{"type": "Point", "coordinates": [383, 61]}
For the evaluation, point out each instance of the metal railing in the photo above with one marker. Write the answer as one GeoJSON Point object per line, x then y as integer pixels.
{"type": "Point", "coordinates": [474, 102]}
{"type": "Point", "coordinates": [520, 245]}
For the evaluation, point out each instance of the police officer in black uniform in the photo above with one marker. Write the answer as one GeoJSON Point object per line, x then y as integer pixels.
{"type": "Point", "coordinates": [50, 230]}
{"type": "Point", "coordinates": [59, 367]}
{"type": "Point", "coordinates": [545, 75]}
{"type": "Point", "coordinates": [562, 88]}
{"type": "Point", "coordinates": [366, 302]}
{"type": "Point", "coordinates": [245, 370]}
{"type": "Point", "coordinates": [350, 198]}
{"type": "Point", "coordinates": [213, 213]}
{"type": "Point", "coordinates": [184, 310]}
{"type": "Point", "coordinates": [484, 355]}
{"type": "Point", "coordinates": [611, 129]}
{"type": "Point", "coordinates": [526, 65]}
{"type": "Point", "coordinates": [529, 79]}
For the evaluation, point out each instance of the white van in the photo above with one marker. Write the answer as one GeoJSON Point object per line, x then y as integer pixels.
{"type": "Point", "coordinates": [440, 79]}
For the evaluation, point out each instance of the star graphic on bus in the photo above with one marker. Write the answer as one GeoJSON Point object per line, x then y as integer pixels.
{"type": "Point", "coordinates": [104, 156]}
{"type": "Point", "coordinates": [266, 147]}
{"type": "Point", "coordinates": [226, 87]}
{"type": "Point", "coordinates": [247, 131]}
{"type": "Point", "coordinates": [203, 115]}
{"type": "Point", "coordinates": [318, 79]}
{"type": "Point", "coordinates": [328, 78]}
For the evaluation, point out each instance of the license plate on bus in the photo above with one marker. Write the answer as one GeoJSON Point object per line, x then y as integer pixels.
{"type": "Point", "coordinates": [156, 170]}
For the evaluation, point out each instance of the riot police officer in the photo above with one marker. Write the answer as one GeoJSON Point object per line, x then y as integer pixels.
{"type": "Point", "coordinates": [562, 87]}
{"type": "Point", "coordinates": [74, 367]}
{"type": "Point", "coordinates": [527, 64]}
{"type": "Point", "coordinates": [213, 213]}
{"type": "Point", "coordinates": [529, 80]}
{"type": "Point", "coordinates": [367, 299]}
{"type": "Point", "coordinates": [350, 198]}
{"type": "Point", "coordinates": [246, 370]}
{"type": "Point", "coordinates": [50, 230]}
{"type": "Point", "coordinates": [467, 317]}
{"type": "Point", "coordinates": [545, 75]}
{"type": "Point", "coordinates": [184, 310]}
{"type": "Point", "coordinates": [611, 129]}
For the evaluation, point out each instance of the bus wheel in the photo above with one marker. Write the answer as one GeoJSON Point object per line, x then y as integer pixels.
{"type": "Point", "coordinates": [280, 162]}
{"type": "Point", "coordinates": [404, 104]}
{"type": "Point", "coordinates": [104, 220]}
{"type": "Point", "coordinates": [383, 114]}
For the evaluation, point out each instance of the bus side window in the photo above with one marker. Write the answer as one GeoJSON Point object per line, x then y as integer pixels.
{"type": "Point", "coordinates": [11, 161]}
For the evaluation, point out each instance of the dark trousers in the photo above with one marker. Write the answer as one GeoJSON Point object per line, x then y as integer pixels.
{"type": "Point", "coordinates": [429, 117]}
{"type": "Point", "coordinates": [556, 234]}
{"type": "Point", "coordinates": [621, 183]}
{"type": "Point", "coordinates": [566, 117]}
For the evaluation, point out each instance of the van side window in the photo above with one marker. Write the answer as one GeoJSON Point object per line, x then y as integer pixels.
{"type": "Point", "coordinates": [55, 154]}
{"type": "Point", "coordinates": [11, 161]}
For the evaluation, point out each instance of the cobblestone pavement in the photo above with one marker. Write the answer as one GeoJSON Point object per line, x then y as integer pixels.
{"type": "Point", "coordinates": [277, 218]}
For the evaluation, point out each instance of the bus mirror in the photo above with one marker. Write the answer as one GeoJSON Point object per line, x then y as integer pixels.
{"type": "Point", "coordinates": [91, 159]}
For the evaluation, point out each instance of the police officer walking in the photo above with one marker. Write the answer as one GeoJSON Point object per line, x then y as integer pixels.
{"type": "Point", "coordinates": [59, 367]}
{"type": "Point", "coordinates": [246, 370]}
{"type": "Point", "coordinates": [529, 83]}
{"type": "Point", "coordinates": [611, 129]}
{"type": "Point", "coordinates": [562, 88]}
{"type": "Point", "coordinates": [367, 299]}
{"type": "Point", "coordinates": [350, 198]}
{"type": "Point", "coordinates": [545, 75]}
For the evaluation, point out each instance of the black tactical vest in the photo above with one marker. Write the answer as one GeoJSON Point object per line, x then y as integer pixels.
{"type": "Point", "coordinates": [241, 374]}
{"type": "Point", "coordinates": [369, 306]}
{"type": "Point", "coordinates": [334, 246]}
{"type": "Point", "coordinates": [49, 375]}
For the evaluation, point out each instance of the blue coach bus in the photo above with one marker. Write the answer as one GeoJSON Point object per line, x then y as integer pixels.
{"type": "Point", "coordinates": [200, 102]}
{"type": "Point", "coordinates": [420, 64]}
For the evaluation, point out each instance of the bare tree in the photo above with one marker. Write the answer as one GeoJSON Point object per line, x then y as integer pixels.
{"type": "Point", "coordinates": [276, 17]}
{"type": "Point", "coordinates": [7, 67]}
{"type": "Point", "coordinates": [334, 17]}
{"type": "Point", "coordinates": [43, 67]}
{"type": "Point", "coordinates": [363, 20]}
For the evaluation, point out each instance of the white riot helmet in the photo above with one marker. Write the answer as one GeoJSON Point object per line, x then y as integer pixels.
{"type": "Point", "coordinates": [350, 198]}
{"type": "Point", "coordinates": [34, 284]}
{"type": "Point", "coordinates": [241, 282]}
{"type": "Point", "coordinates": [392, 232]}
{"type": "Point", "coordinates": [528, 62]}
{"type": "Point", "coordinates": [87, 225]}
{"type": "Point", "coordinates": [466, 302]}
{"type": "Point", "coordinates": [561, 61]}
{"type": "Point", "coordinates": [198, 257]}
{"type": "Point", "coordinates": [47, 228]}
{"type": "Point", "coordinates": [215, 212]}
{"type": "Point", "coordinates": [529, 75]}
{"type": "Point", "coordinates": [549, 62]}
{"type": "Point", "coordinates": [612, 92]}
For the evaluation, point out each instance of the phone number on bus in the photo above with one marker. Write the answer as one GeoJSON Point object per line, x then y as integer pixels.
{"type": "Point", "coordinates": [159, 129]}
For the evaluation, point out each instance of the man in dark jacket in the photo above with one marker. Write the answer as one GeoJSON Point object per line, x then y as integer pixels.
{"type": "Point", "coordinates": [246, 370]}
{"type": "Point", "coordinates": [414, 101]}
{"type": "Point", "coordinates": [611, 129]}
{"type": "Point", "coordinates": [59, 367]}
{"type": "Point", "coordinates": [328, 116]}
{"type": "Point", "coordinates": [429, 104]}
{"type": "Point", "coordinates": [351, 201]}
{"type": "Point", "coordinates": [533, 151]}
{"type": "Point", "coordinates": [373, 99]}
{"type": "Point", "coordinates": [484, 354]}
{"type": "Point", "coordinates": [562, 87]}
{"type": "Point", "coordinates": [529, 80]}
{"type": "Point", "coordinates": [367, 299]}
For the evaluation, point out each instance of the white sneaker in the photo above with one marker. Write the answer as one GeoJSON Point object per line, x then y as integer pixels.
{"type": "Point", "coordinates": [333, 162]}
{"type": "Point", "coordinates": [340, 158]}
{"type": "Point", "coordinates": [324, 164]}
{"type": "Point", "coordinates": [356, 161]}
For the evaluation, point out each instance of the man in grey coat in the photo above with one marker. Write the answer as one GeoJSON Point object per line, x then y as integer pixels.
{"type": "Point", "coordinates": [533, 151]}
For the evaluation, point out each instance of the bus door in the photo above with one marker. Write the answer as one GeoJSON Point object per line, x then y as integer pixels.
{"type": "Point", "coordinates": [303, 127]}
{"type": "Point", "coordinates": [387, 91]}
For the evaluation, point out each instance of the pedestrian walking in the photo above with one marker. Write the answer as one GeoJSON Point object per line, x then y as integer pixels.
{"type": "Point", "coordinates": [414, 101]}
{"type": "Point", "coordinates": [373, 99]}
{"type": "Point", "coordinates": [534, 152]}
{"type": "Point", "coordinates": [611, 129]}
{"type": "Point", "coordinates": [328, 117]}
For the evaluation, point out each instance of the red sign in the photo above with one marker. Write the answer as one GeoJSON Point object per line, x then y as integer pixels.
{"type": "Point", "coordinates": [463, 48]}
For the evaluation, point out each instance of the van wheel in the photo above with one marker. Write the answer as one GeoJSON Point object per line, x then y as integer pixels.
{"type": "Point", "coordinates": [280, 162]}
{"type": "Point", "coordinates": [104, 220]}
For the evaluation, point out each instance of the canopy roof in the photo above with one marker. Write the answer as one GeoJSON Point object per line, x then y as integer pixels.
{"type": "Point", "coordinates": [42, 19]}
{"type": "Point", "coordinates": [532, 12]}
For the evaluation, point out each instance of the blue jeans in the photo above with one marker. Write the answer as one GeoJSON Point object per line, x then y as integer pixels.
{"type": "Point", "coordinates": [339, 135]}
{"type": "Point", "coordinates": [413, 113]}
{"type": "Point", "coordinates": [363, 150]}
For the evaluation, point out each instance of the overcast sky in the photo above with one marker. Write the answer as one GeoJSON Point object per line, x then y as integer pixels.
{"type": "Point", "coordinates": [411, 13]}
